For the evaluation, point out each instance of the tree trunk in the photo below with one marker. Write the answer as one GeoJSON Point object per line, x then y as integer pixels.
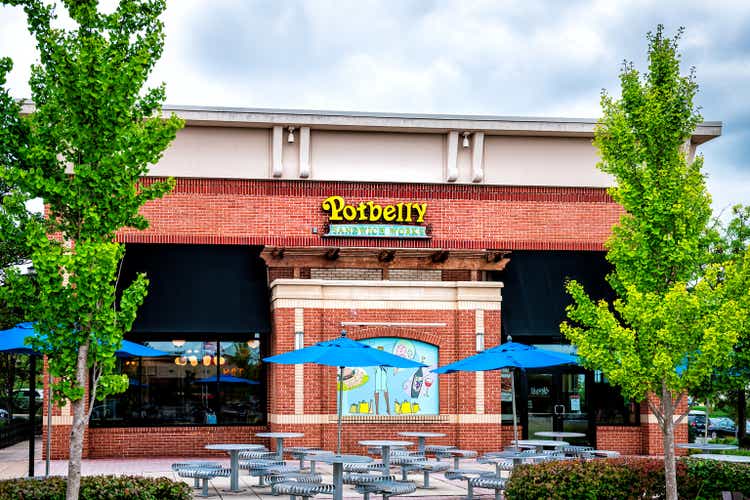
{"type": "Point", "coordinates": [670, 470]}
{"type": "Point", "coordinates": [741, 415]}
{"type": "Point", "coordinates": [80, 418]}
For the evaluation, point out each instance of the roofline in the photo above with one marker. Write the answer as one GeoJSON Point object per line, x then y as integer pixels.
{"type": "Point", "coordinates": [403, 122]}
{"type": "Point", "coordinates": [398, 122]}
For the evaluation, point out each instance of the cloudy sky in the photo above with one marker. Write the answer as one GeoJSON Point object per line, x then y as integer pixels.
{"type": "Point", "coordinates": [525, 57]}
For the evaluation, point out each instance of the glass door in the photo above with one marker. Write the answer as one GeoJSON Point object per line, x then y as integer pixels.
{"type": "Point", "coordinates": [541, 403]}
{"type": "Point", "coordinates": [571, 409]}
{"type": "Point", "coordinates": [557, 402]}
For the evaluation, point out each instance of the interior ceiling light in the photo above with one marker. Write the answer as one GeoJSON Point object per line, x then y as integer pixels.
{"type": "Point", "coordinates": [290, 139]}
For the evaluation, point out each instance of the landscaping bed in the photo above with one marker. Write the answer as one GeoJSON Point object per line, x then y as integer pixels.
{"type": "Point", "coordinates": [97, 488]}
{"type": "Point", "coordinates": [626, 478]}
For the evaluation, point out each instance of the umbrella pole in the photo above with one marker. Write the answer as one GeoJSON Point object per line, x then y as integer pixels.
{"type": "Point", "coordinates": [513, 399]}
{"type": "Point", "coordinates": [341, 394]}
{"type": "Point", "coordinates": [49, 423]}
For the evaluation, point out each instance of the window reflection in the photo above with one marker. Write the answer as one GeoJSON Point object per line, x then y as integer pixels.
{"type": "Point", "coordinates": [197, 383]}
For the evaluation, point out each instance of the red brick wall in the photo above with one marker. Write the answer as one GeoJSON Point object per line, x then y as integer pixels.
{"type": "Point", "coordinates": [626, 440]}
{"type": "Point", "coordinates": [457, 391]}
{"type": "Point", "coordinates": [284, 213]}
{"type": "Point", "coordinates": [167, 441]}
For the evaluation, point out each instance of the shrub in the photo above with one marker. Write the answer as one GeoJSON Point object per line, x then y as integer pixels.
{"type": "Point", "coordinates": [708, 478]}
{"type": "Point", "coordinates": [626, 478]}
{"type": "Point", "coordinates": [97, 488]}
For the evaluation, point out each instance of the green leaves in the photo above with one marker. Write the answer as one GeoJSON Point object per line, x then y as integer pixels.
{"type": "Point", "coordinates": [683, 304]}
{"type": "Point", "coordinates": [92, 118]}
{"type": "Point", "coordinates": [95, 120]}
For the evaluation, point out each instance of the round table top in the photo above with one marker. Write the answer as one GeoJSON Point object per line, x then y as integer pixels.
{"type": "Point", "coordinates": [310, 453]}
{"type": "Point", "coordinates": [553, 434]}
{"type": "Point", "coordinates": [280, 434]}
{"type": "Point", "coordinates": [385, 442]}
{"type": "Point", "coordinates": [509, 455]}
{"type": "Point", "coordinates": [421, 434]}
{"type": "Point", "coordinates": [707, 446]}
{"type": "Point", "coordinates": [343, 459]}
{"type": "Point", "coordinates": [723, 458]}
{"type": "Point", "coordinates": [234, 447]}
{"type": "Point", "coordinates": [541, 442]}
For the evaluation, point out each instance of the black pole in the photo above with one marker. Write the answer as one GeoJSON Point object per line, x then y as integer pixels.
{"type": "Point", "coordinates": [32, 412]}
{"type": "Point", "coordinates": [741, 416]}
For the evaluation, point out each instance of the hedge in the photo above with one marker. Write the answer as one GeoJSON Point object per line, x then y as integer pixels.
{"type": "Point", "coordinates": [626, 478]}
{"type": "Point", "coordinates": [97, 488]}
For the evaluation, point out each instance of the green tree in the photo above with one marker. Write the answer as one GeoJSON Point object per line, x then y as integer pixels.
{"type": "Point", "coordinates": [91, 118]}
{"type": "Point", "coordinates": [732, 242]}
{"type": "Point", "coordinates": [675, 318]}
{"type": "Point", "coordinates": [14, 217]}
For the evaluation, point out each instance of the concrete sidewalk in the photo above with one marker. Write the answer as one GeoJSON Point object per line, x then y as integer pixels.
{"type": "Point", "coordinates": [13, 463]}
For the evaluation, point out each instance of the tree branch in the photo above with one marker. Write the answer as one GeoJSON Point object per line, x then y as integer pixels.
{"type": "Point", "coordinates": [657, 413]}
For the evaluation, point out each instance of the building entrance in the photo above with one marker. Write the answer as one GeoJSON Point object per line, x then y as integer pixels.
{"type": "Point", "coordinates": [559, 402]}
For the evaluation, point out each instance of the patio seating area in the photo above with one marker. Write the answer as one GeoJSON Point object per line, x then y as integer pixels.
{"type": "Point", "coordinates": [283, 472]}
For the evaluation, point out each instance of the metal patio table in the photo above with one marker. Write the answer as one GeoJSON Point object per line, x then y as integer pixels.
{"type": "Point", "coordinates": [560, 435]}
{"type": "Point", "coordinates": [707, 446]}
{"type": "Point", "coordinates": [516, 457]}
{"type": "Point", "coordinates": [338, 462]}
{"type": "Point", "coordinates": [234, 460]}
{"type": "Point", "coordinates": [421, 436]}
{"type": "Point", "coordinates": [279, 437]}
{"type": "Point", "coordinates": [539, 444]}
{"type": "Point", "coordinates": [385, 446]}
{"type": "Point", "coordinates": [312, 456]}
{"type": "Point", "coordinates": [737, 459]}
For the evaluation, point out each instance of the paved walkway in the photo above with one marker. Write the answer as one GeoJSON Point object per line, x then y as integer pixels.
{"type": "Point", "coordinates": [14, 463]}
{"type": "Point", "coordinates": [14, 460]}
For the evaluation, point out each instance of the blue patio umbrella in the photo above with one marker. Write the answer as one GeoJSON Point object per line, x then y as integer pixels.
{"type": "Point", "coordinates": [342, 352]}
{"type": "Point", "coordinates": [509, 355]}
{"type": "Point", "coordinates": [13, 341]}
{"type": "Point", "coordinates": [228, 379]}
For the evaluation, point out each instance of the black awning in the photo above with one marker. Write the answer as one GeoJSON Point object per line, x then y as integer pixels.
{"type": "Point", "coordinates": [534, 296]}
{"type": "Point", "coordinates": [200, 288]}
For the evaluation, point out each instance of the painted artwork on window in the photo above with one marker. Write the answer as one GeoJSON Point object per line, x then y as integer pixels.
{"type": "Point", "coordinates": [394, 391]}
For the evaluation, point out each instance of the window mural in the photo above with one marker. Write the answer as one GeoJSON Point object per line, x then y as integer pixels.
{"type": "Point", "coordinates": [394, 391]}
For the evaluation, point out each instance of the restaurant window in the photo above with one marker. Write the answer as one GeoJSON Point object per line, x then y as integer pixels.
{"type": "Point", "coordinates": [199, 382]}
{"type": "Point", "coordinates": [394, 391]}
{"type": "Point", "coordinates": [611, 407]}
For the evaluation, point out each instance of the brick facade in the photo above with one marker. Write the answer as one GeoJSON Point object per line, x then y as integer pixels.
{"type": "Point", "coordinates": [284, 213]}
{"type": "Point", "coordinates": [288, 213]}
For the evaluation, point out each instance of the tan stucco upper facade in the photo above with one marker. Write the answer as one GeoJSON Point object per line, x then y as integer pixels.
{"type": "Point", "coordinates": [371, 147]}
{"type": "Point", "coordinates": [241, 143]}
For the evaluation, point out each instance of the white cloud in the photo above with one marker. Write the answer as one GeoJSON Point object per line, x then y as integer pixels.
{"type": "Point", "coordinates": [477, 56]}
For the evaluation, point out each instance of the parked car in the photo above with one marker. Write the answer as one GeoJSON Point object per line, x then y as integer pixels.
{"type": "Point", "coordinates": [697, 422]}
{"type": "Point", "coordinates": [722, 426]}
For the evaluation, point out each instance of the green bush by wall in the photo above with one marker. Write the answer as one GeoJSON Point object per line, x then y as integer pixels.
{"type": "Point", "coordinates": [97, 488]}
{"type": "Point", "coordinates": [626, 478]}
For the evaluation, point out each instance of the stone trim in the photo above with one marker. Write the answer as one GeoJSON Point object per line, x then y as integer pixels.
{"type": "Point", "coordinates": [394, 295]}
